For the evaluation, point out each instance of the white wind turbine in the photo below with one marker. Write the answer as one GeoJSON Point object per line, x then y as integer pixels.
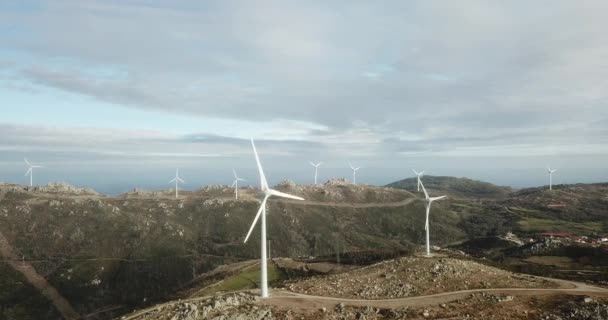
{"type": "Point", "coordinates": [262, 212]}
{"type": "Point", "coordinates": [316, 168]}
{"type": "Point", "coordinates": [177, 179]}
{"type": "Point", "coordinates": [419, 175]}
{"type": "Point", "coordinates": [551, 172]}
{"type": "Point", "coordinates": [429, 200]}
{"type": "Point", "coordinates": [355, 169]}
{"type": "Point", "coordinates": [235, 184]}
{"type": "Point", "coordinates": [30, 170]}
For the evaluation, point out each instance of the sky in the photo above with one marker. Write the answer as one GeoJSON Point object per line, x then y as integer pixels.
{"type": "Point", "coordinates": [115, 95]}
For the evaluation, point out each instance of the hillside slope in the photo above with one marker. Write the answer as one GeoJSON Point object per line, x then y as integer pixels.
{"type": "Point", "coordinates": [118, 253]}
{"type": "Point", "coordinates": [455, 187]}
{"type": "Point", "coordinates": [121, 252]}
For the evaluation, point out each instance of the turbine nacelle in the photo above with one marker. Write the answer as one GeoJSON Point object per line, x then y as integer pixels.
{"type": "Point", "coordinates": [177, 178]}
{"type": "Point", "coordinates": [419, 174]}
{"type": "Point", "coordinates": [316, 165]}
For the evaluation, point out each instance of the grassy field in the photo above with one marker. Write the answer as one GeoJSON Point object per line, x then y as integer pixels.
{"type": "Point", "coordinates": [248, 278]}
{"type": "Point", "coordinates": [545, 225]}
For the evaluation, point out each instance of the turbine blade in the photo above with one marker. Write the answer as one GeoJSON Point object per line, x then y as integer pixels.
{"type": "Point", "coordinates": [234, 183]}
{"type": "Point", "coordinates": [351, 166]}
{"type": "Point", "coordinates": [27, 162]}
{"type": "Point", "coordinates": [438, 198]}
{"type": "Point", "coordinates": [257, 216]}
{"type": "Point", "coordinates": [239, 179]}
{"type": "Point", "coordinates": [311, 163]}
{"type": "Point", "coordinates": [426, 195]}
{"type": "Point", "coordinates": [180, 180]}
{"type": "Point", "coordinates": [28, 171]}
{"type": "Point", "coordinates": [263, 182]}
{"type": "Point", "coordinates": [172, 180]}
{"type": "Point", "coordinates": [415, 172]}
{"type": "Point", "coordinates": [422, 172]}
{"type": "Point", "coordinates": [283, 195]}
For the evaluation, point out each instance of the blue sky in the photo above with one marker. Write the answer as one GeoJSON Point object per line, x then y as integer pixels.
{"type": "Point", "coordinates": [116, 94]}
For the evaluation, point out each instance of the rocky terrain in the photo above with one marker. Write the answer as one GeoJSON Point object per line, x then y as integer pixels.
{"type": "Point", "coordinates": [237, 306]}
{"type": "Point", "coordinates": [414, 276]}
{"type": "Point", "coordinates": [107, 255]}
{"type": "Point", "coordinates": [474, 305]}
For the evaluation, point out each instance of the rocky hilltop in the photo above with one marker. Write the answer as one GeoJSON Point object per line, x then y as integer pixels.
{"type": "Point", "coordinates": [392, 289]}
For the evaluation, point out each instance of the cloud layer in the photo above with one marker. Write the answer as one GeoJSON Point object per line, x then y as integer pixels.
{"type": "Point", "coordinates": [365, 79]}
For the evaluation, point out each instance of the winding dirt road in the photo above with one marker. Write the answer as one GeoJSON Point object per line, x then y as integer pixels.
{"type": "Point", "coordinates": [293, 300]}
{"type": "Point", "coordinates": [348, 205]}
{"type": "Point", "coordinates": [283, 298]}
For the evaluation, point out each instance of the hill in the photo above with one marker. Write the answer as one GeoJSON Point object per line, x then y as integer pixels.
{"type": "Point", "coordinates": [403, 288]}
{"type": "Point", "coordinates": [107, 255]}
{"type": "Point", "coordinates": [115, 253]}
{"type": "Point", "coordinates": [454, 187]}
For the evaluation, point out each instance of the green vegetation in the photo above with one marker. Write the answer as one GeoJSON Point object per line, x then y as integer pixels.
{"type": "Point", "coordinates": [533, 225]}
{"type": "Point", "coordinates": [248, 278]}
{"type": "Point", "coordinates": [455, 187]}
{"type": "Point", "coordinates": [135, 251]}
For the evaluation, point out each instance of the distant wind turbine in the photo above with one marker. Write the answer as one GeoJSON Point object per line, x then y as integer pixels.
{"type": "Point", "coordinates": [262, 212]}
{"type": "Point", "coordinates": [177, 179]}
{"type": "Point", "coordinates": [429, 200]}
{"type": "Point", "coordinates": [316, 168]}
{"type": "Point", "coordinates": [235, 184]}
{"type": "Point", "coordinates": [551, 172]}
{"type": "Point", "coordinates": [30, 171]}
{"type": "Point", "coordinates": [419, 175]}
{"type": "Point", "coordinates": [355, 169]}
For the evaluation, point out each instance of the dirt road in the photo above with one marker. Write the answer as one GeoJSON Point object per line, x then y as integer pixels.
{"type": "Point", "coordinates": [349, 205]}
{"type": "Point", "coordinates": [289, 299]}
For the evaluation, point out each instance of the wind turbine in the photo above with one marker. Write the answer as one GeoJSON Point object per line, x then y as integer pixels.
{"type": "Point", "coordinates": [262, 212]}
{"type": "Point", "coordinates": [551, 172]}
{"type": "Point", "coordinates": [355, 169]}
{"type": "Point", "coordinates": [316, 168]}
{"type": "Point", "coordinates": [235, 184]}
{"type": "Point", "coordinates": [429, 200]}
{"type": "Point", "coordinates": [177, 179]}
{"type": "Point", "coordinates": [30, 171]}
{"type": "Point", "coordinates": [419, 175]}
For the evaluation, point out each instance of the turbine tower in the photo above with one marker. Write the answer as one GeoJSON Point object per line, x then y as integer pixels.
{"type": "Point", "coordinates": [177, 179]}
{"type": "Point", "coordinates": [551, 172]}
{"type": "Point", "coordinates": [419, 175]}
{"type": "Point", "coordinates": [429, 200]}
{"type": "Point", "coordinates": [355, 169]}
{"type": "Point", "coordinates": [235, 184]}
{"type": "Point", "coordinates": [262, 212]}
{"type": "Point", "coordinates": [316, 168]}
{"type": "Point", "coordinates": [30, 170]}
